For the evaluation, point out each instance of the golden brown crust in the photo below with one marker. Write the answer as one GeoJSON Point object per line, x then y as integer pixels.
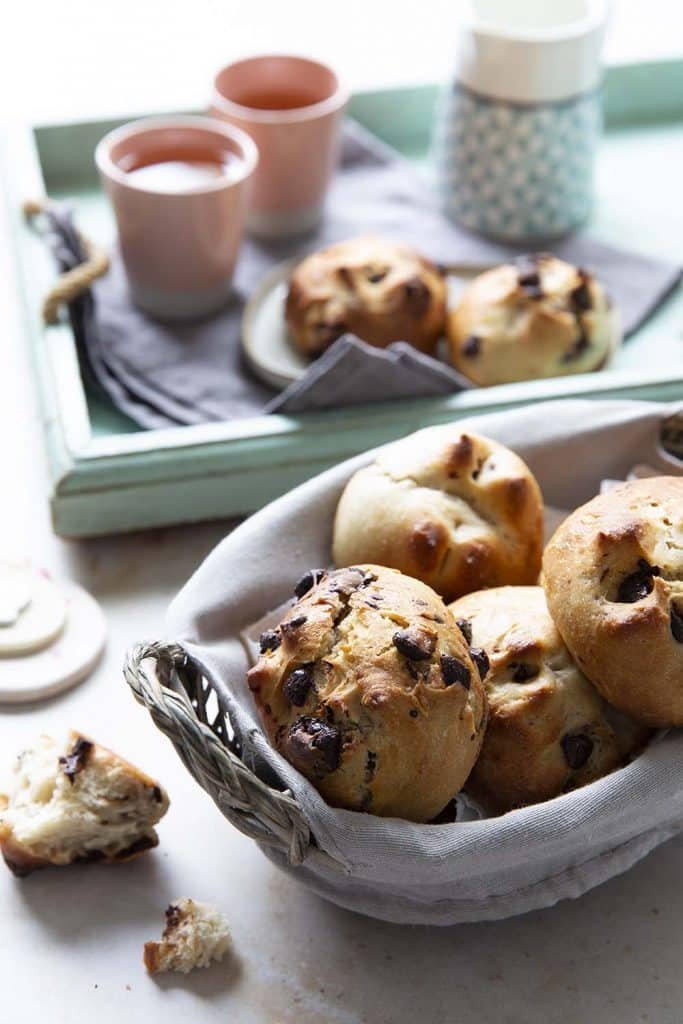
{"type": "Point", "coordinates": [506, 327]}
{"type": "Point", "coordinates": [456, 510]}
{"type": "Point", "coordinates": [21, 863]}
{"type": "Point", "coordinates": [548, 730]}
{"type": "Point", "coordinates": [369, 287]}
{"type": "Point", "coordinates": [613, 577]}
{"type": "Point", "coordinates": [151, 956]}
{"type": "Point", "coordinates": [368, 688]}
{"type": "Point", "coordinates": [17, 859]}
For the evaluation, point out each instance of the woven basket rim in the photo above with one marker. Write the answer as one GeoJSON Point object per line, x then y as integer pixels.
{"type": "Point", "coordinates": [282, 823]}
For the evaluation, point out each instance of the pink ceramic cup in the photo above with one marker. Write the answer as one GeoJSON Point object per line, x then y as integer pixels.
{"type": "Point", "coordinates": [179, 244]}
{"type": "Point", "coordinates": [293, 108]}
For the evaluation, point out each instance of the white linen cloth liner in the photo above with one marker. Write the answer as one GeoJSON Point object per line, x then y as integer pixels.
{"type": "Point", "coordinates": [463, 871]}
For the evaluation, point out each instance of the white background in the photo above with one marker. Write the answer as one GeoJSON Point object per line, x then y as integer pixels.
{"type": "Point", "coordinates": [71, 59]}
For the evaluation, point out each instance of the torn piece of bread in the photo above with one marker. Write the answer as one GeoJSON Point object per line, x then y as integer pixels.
{"type": "Point", "coordinates": [195, 934]}
{"type": "Point", "coordinates": [76, 801]}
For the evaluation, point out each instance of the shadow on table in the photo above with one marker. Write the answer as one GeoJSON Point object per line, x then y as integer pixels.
{"type": "Point", "coordinates": [207, 983]}
{"type": "Point", "coordinates": [79, 904]}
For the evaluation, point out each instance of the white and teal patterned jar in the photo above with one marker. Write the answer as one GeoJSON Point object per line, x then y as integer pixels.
{"type": "Point", "coordinates": [517, 132]}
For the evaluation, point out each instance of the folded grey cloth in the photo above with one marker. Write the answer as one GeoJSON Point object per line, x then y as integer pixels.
{"type": "Point", "coordinates": [162, 375]}
{"type": "Point", "coordinates": [351, 372]}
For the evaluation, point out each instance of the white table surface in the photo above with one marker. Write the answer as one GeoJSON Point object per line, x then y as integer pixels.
{"type": "Point", "coordinates": [71, 940]}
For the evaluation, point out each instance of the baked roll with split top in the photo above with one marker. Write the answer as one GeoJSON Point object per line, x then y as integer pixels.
{"type": "Point", "coordinates": [454, 509]}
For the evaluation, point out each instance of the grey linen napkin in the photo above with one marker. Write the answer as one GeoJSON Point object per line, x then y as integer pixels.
{"type": "Point", "coordinates": [351, 372]}
{"type": "Point", "coordinates": [161, 374]}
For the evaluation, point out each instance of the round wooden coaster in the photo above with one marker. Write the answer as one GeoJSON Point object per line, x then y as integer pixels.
{"type": "Point", "coordinates": [32, 609]}
{"type": "Point", "coordinates": [68, 660]}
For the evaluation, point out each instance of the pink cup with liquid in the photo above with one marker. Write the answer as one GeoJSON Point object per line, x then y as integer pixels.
{"type": "Point", "coordinates": [179, 187]}
{"type": "Point", "coordinates": [292, 108]}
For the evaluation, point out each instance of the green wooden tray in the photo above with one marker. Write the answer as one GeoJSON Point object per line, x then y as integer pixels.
{"type": "Point", "coordinates": [109, 476]}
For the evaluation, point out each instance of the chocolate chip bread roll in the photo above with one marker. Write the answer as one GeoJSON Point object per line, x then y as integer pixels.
{"type": "Point", "coordinates": [549, 731]}
{"type": "Point", "coordinates": [540, 317]}
{"type": "Point", "coordinates": [369, 689]}
{"type": "Point", "coordinates": [613, 578]}
{"type": "Point", "coordinates": [375, 289]}
{"type": "Point", "coordinates": [455, 509]}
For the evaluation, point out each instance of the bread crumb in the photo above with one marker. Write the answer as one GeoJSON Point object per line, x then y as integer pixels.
{"type": "Point", "coordinates": [195, 935]}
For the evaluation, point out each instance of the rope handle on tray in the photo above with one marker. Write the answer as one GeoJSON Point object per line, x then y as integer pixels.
{"type": "Point", "coordinates": [165, 679]}
{"type": "Point", "coordinates": [71, 283]}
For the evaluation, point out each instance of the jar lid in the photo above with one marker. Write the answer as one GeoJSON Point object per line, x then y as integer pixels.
{"type": "Point", "coordinates": [531, 51]}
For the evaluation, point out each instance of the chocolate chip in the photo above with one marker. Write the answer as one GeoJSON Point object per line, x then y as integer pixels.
{"type": "Point", "coordinates": [579, 301]}
{"type": "Point", "coordinates": [370, 765]}
{"type": "Point", "coordinates": [529, 277]}
{"type": "Point", "coordinates": [307, 581]}
{"type": "Point", "coordinates": [74, 761]}
{"type": "Point", "coordinates": [414, 645]}
{"type": "Point", "coordinates": [412, 671]}
{"type": "Point", "coordinates": [472, 347]}
{"type": "Point", "coordinates": [417, 296]}
{"type": "Point", "coordinates": [465, 627]}
{"type": "Point", "coordinates": [269, 640]}
{"type": "Point", "coordinates": [297, 685]}
{"type": "Point", "coordinates": [365, 801]}
{"type": "Point", "coordinates": [638, 584]}
{"type": "Point", "coordinates": [454, 671]}
{"type": "Point", "coordinates": [578, 347]}
{"type": "Point", "coordinates": [314, 744]}
{"type": "Point", "coordinates": [522, 671]}
{"type": "Point", "coordinates": [173, 916]}
{"type": "Point", "coordinates": [346, 587]}
{"type": "Point", "coordinates": [346, 276]}
{"type": "Point", "coordinates": [577, 748]}
{"type": "Point", "coordinates": [676, 624]}
{"type": "Point", "coordinates": [292, 625]}
{"type": "Point", "coordinates": [97, 856]}
{"type": "Point", "coordinates": [481, 660]}
{"type": "Point", "coordinates": [580, 296]}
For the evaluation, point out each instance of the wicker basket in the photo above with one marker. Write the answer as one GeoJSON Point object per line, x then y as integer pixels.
{"type": "Point", "coordinates": [523, 860]}
{"type": "Point", "coordinates": [177, 696]}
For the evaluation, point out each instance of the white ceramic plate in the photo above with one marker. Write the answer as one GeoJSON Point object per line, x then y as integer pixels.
{"type": "Point", "coordinates": [269, 349]}
{"type": "Point", "coordinates": [266, 343]}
